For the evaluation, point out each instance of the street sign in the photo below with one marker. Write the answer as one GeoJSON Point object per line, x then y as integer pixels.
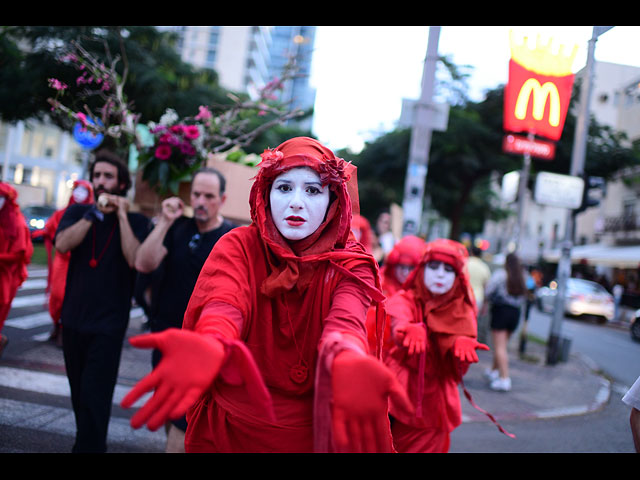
{"type": "Point", "coordinates": [536, 148]}
{"type": "Point", "coordinates": [557, 190]}
{"type": "Point", "coordinates": [510, 182]}
{"type": "Point", "coordinates": [85, 137]}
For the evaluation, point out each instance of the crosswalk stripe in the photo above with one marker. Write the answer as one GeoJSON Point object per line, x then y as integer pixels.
{"type": "Point", "coordinates": [52, 384]}
{"type": "Point", "coordinates": [29, 300]}
{"type": "Point", "coordinates": [35, 283]}
{"type": "Point", "coordinates": [61, 421]}
{"type": "Point", "coordinates": [27, 322]}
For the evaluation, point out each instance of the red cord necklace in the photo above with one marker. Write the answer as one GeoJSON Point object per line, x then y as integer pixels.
{"type": "Point", "coordinates": [93, 263]}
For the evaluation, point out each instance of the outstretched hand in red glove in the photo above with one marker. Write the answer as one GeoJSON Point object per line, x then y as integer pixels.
{"type": "Point", "coordinates": [413, 336]}
{"type": "Point", "coordinates": [190, 363]}
{"type": "Point", "coordinates": [464, 348]}
{"type": "Point", "coordinates": [362, 388]}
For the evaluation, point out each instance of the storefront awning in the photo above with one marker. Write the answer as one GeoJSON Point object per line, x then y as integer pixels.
{"type": "Point", "coordinates": [603, 255]}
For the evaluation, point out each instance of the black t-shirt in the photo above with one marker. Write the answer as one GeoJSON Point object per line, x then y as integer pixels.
{"type": "Point", "coordinates": [187, 250]}
{"type": "Point", "coordinates": [98, 300]}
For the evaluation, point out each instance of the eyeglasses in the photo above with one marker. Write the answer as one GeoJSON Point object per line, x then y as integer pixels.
{"type": "Point", "coordinates": [194, 242]}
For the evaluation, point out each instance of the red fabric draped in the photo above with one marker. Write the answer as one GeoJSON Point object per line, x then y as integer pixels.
{"type": "Point", "coordinates": [286, 294]}
{"type": "Point", "coordinates": [408, 251]}
{"type": "Point", "coordinates": [16, 249]}
{"type": "Point", "coordinates": [59, 263]}
{"type": "Point", "coordinates": [431, 379]}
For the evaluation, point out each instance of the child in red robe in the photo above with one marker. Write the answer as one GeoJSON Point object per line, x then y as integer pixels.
{"type": "Point", "coordinates": [400, 262]}
{"type": "Point", "coordinates": [433, 324]}
{"type": "Point", "coordinates": [82, 192]}
{"type": "Point", "coordinates": [16, 250]}
{"type": "Point", "coordinates": [272, 356]}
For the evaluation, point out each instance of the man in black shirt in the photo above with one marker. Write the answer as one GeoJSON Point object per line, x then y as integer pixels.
{"type": "Point", "coordinates": [176, 250]}
{"type": "Point", "coordinates": [103, 239]}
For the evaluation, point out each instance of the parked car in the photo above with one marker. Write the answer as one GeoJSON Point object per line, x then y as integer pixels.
{"type": "Point", "coordinates": [635, 326]}
{"type": "Point", "coordinates": [36, 217]}
{"type": "Point", "coordinates": [582, 297]}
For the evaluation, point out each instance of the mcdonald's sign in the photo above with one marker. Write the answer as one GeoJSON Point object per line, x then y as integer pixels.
{"type": "Point", "coordinates": [537, 95]}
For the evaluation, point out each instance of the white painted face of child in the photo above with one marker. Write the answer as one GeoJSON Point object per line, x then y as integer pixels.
{"type": "Point", "coordinates": [439, 277]}
{"type": "Point", "coordinates": [298, 202]}
{"type": "Point", "coordinates": [80, 194]}
{"type": "Point", "coordinates": [402, 271]}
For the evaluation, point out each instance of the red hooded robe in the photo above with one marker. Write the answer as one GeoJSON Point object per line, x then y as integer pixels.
{"type": "Point", "coordinates": [291, 305]}
{"type": "Point", "coordinates": [15, 249]}
{"type": "Point", "coordinates": [408, 251]}
{"type": "Point", "coordinates": [431, 378]}
{"type": "Point", "coordinates": [59, 263]}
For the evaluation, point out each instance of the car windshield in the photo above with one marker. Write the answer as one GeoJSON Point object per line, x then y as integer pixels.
{"type": "Point", "coordinates": [586, 287]}
{"type": "Point", "coordinates": [39, 211]}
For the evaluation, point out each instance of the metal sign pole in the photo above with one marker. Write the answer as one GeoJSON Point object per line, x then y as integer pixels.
{"type": "Point", "coordinates": [420, 142]}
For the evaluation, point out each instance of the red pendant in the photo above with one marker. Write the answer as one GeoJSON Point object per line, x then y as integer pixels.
{"type": "Point", "coordinates": [298, 373]}
{"type": "Point", "coordinates": [93, 263]}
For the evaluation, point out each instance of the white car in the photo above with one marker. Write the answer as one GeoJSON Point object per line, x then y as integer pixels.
{"type": "Point", "coordinates": [582, 297]}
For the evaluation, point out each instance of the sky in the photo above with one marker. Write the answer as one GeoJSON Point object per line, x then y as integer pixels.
{"type": "Point", "coordinates": [362, 73]}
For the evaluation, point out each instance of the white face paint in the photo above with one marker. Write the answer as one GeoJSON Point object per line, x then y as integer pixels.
{"type": "Point", "coordinates": [80, 194]}
{"type": "Point", "coordinates": [439, 277]}
{"type": "Point", "coordinates": [298, 202]}
{"type": "Point", "coordinates": [2, 200]}
{"type": "Point", "coordinates": [402, 272]}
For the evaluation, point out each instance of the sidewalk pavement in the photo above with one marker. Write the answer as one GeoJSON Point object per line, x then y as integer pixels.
{"type": "Point", "coordinates": [538, 390]}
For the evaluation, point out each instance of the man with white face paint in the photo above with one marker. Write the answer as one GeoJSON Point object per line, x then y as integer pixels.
{"type": "Point", "coordinates": [433, 323]}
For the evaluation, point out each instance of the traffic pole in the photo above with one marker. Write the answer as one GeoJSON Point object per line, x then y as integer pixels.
{"type": "Point", "coordinates": [556, 344]}
{"type": "Point", "coordinates": [421, 130]}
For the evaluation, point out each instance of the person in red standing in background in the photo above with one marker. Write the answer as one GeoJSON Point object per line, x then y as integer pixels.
{"type": "Point", "coordinates": [362, 231]}
{"type": "Point", "coordinates": [398, 265]}
{"type": "Point", "coordinates": [433, 324]}
{"type": "Point", "coordinates": [16, 250]}
{"type": "Point", "coordinates": [81, 192]}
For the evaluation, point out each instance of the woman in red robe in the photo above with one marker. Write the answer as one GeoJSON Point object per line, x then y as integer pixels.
{"type": "Point", "coordinates": [82, 192]}
{"type": "Point", "coordinates": [272, 356]}
{"type": "Point", "coordinates": [433, 324]}
{"type": "Point", "coordinates": [15, 252]}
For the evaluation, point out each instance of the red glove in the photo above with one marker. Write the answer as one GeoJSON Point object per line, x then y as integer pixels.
{"type": "Point", "coordinates": [413, 336]}
{"type": "Point", "coordinates": [362, 388]}
{"type": "Point", "coordinates": [464, 348]}
{"type": "Point", "coordinates": [190, 363]}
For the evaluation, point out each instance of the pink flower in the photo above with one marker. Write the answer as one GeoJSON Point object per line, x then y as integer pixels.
{"type": "Point", "coordinates": [191, 132]}
{"type": "Point", "coordinates": [57, 84]}
{"type": "Point", "coordinates": [187, 149]}
{"type": "Point", "coordinates": [83, 119]}
{"type": "Point", "coordinates": [163, 152]}
{"type": "Point", "coordinates": [203, 113]}
{"type": "Point", "coordinates": [176, 129]}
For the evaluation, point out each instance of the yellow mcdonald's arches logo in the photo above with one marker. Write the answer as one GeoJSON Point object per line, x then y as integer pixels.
{"type": "Point", "coordinates": [540, 95]}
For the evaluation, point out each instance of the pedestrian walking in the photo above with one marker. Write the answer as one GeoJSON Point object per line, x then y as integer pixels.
{"type": "Point", "coordinates": [433, 323]}
{"type": "Point", "coordinates": [506, 292]}
{"type": "Point", "coordinates": [273, 355]}
{"type": "Point", "coordinates": [103, 239]}
{"type": "Point", "coordinates": [58, 262]}
{"type": "Point", "coordinates": [176, 249]}
{"type": "Point", "coordinates": [16, 250]}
